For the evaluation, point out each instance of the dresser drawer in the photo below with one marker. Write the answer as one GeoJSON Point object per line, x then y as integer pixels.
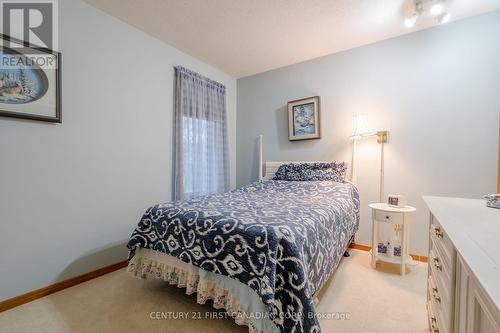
{"type": "Point", "coordinates": [440, 270]}
{"type": "Point", "coordinates": [441, 290]}
{"type": "Point", "coordinates": [435, 323]}
{"type": "Point", "coordinates": [442, 244]}
{"type": "Point", "coordinates": [439, 259]}
{"type": "Point", "coordinates": [388, 217]}
{"type": "Point", "coordinates": [442, 302]}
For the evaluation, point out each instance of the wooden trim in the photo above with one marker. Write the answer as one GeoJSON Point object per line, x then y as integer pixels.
{"type": "Point", "coordinates": [418, 257]}
{"type": "Point", "coordinates": [64, 284]}
{"type": "Point", "coordinates": [360, 247]}
{"type": "Point", "coordinates": [368, 248]}
{"type": "Point", "coordinates": [58, 286]}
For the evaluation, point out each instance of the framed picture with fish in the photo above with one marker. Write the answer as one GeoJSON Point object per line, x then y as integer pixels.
{"type": "Point", "coordinates": [304, 119]}
{"type": "Point", "coordinates": [30, 81]}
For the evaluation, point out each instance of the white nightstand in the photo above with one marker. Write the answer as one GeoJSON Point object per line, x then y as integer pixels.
{"type": "Point", "coordinates": [383, 213]}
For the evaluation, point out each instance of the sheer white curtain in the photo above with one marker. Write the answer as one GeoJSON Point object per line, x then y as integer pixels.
{"type": "Point", "coordinates": [201, 163]}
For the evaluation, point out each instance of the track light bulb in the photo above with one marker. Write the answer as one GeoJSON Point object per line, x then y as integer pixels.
{"type": "Point", "coordinates": [444, 18]}
{"type": "Point", "coordinates": [411, 20]}
{"type": "Point", "coordinates": [437, 9]}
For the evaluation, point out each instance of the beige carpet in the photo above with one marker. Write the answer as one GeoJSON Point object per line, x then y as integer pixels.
{"type": "Point", "coordinates": [374, 301]}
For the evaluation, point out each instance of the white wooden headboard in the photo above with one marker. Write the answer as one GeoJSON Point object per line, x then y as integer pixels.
{"type": "Point", "coordinates": [270, 167]}
{"type": "Point", "coordinates": [267, 169]}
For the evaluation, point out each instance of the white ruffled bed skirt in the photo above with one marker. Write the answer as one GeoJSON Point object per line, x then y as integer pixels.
{"type": "Point", "coordinates": [153, 264]}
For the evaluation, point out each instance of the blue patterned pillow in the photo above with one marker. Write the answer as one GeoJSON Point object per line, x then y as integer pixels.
{"type": "Point", "coordinates": [312, 171]}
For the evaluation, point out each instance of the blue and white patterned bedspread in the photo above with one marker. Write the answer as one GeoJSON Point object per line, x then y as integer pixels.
{"type": "Point", "coordinates": [281, 238]}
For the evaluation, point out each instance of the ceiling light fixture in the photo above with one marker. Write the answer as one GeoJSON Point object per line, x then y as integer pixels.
{"type": "Point", "coordinates": [436, 8]}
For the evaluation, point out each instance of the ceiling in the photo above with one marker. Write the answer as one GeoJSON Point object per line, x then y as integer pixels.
{"type": "Point", "coordinates": [245, 37]}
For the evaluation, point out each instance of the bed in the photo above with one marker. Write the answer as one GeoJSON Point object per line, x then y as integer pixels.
{"type": "Point", "coordinates": [261, 252]}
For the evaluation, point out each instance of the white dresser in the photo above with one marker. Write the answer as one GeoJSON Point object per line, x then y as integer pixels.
{"type": "Point", "coordinates": [463, 293]}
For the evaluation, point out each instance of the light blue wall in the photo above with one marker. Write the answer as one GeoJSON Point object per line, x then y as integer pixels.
{"type": "Point", "coordinates": [71, 194]}
{"type": "Point", "coordinates": [437, 92]}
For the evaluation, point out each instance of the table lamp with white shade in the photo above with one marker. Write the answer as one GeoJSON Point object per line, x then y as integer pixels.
{"type": "Point", "coordinates": [360, 130]}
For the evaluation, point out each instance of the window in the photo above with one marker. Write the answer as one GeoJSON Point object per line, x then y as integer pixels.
{"type": "Point", "coordinates": [199, 176]}
{"type": "Point", "coordinates": [201, 154]}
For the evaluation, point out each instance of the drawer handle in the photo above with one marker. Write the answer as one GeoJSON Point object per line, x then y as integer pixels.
{"type": "Point", "coordinates": [434, 325]}
{"type": "Point", "coordinates": [437, 265]}
{"type": "Point", "coordinates": [435, 294]}
{"type": "Point", "coordinates": [387, 217]}
{"type": "Point", "coordinates": [438, 232]}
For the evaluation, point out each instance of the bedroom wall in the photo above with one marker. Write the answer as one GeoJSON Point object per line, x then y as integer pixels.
{"type": "Point", "coordinates": [71, 193]}
{"type": "Point", "coordinates": [437, 92]}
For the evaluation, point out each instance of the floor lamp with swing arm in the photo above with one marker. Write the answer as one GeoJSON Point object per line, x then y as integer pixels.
{"type": "Point", "coordinates": [360, 130]}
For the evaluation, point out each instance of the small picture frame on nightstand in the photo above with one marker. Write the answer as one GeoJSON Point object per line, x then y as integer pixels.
{"type": "Point", "coordinates": [396, 200]}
